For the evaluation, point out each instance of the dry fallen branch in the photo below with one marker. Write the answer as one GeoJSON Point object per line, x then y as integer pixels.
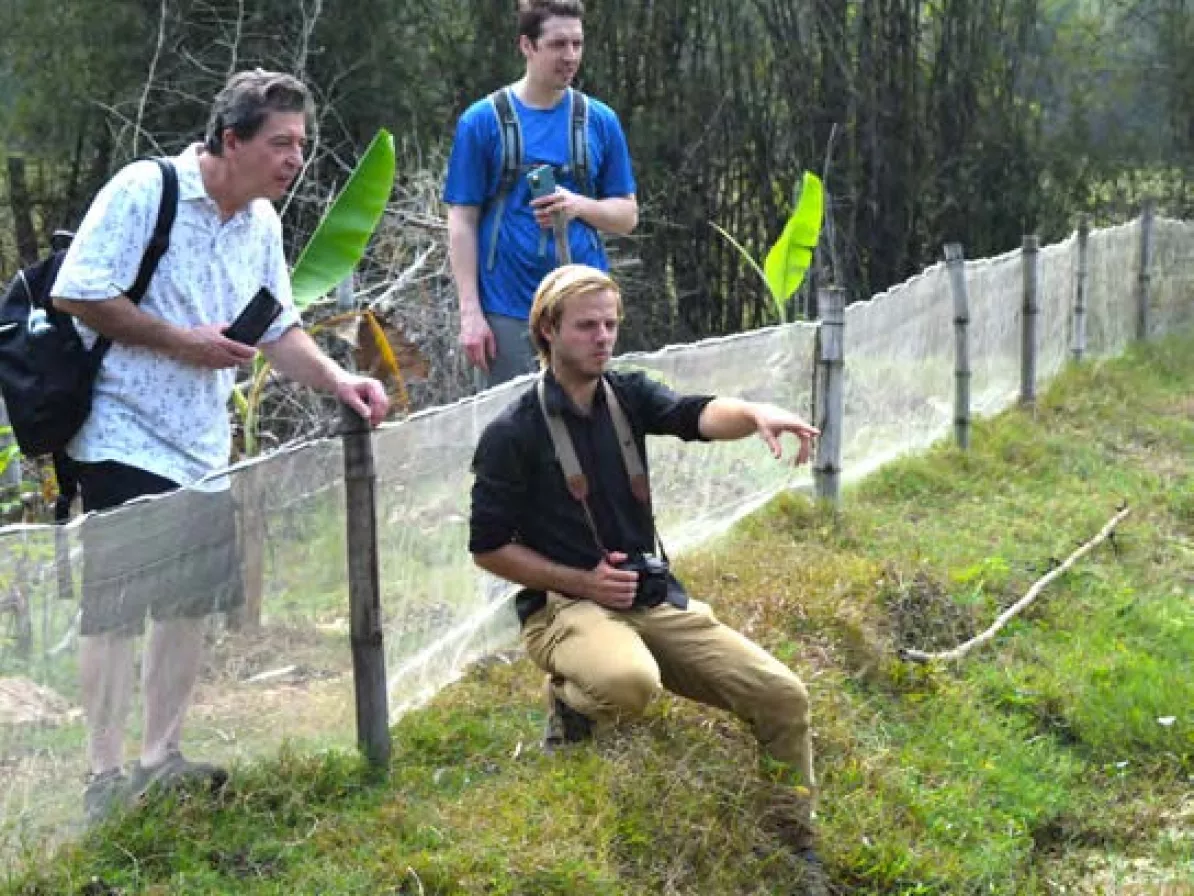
{"type": "Point", "coordinates": [1011, 612]}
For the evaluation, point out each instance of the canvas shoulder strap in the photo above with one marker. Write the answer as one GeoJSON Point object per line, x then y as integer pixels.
{"type": "Point", "coordinates": [635, 468]}
{"type": "Point", "coordinates": [578, 483]}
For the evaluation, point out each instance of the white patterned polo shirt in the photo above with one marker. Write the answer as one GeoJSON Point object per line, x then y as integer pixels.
{"type": "Point", "coordinates": [152, 411]}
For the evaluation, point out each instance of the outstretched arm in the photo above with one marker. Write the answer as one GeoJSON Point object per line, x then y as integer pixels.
{"type": "Point", "coordinates": [731, 418]}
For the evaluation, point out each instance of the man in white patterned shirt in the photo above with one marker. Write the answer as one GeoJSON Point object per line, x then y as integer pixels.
{"type": "Point", "coordinates": [160, 422]}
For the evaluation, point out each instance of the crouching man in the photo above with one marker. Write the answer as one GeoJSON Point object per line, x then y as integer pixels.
{"type": "Point", "coordinates": [561, 506]}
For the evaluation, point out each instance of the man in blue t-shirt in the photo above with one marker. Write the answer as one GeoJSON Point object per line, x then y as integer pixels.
{"type": "Point", "coordinates": [501, 250]}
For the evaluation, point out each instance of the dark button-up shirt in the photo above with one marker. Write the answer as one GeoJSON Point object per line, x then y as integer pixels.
{"type": "Point", "coordinates": [520, 494]}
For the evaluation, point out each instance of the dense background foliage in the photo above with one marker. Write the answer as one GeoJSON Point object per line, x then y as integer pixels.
{"type": "Point", "coordinates": [934, 120]}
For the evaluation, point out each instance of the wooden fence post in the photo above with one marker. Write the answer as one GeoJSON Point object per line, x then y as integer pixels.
{"type": "Point", "coordinates": [831, 303]}
{"type": "Point", "coordinates": [1031, 259]}
{"type": "Point", "coordinates": [364, 591]}
{"type": "Point", "coordinates": [1143, 283]}
{"type": "Point", "coordinates": [956, 263]}
{"type": "Point", "coordinates": [1079, 346]}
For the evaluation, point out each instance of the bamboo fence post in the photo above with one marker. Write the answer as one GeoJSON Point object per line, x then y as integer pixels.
{"type": "Point", "coordinates": [956, 264]}
{"type": "Point", "coordinates": [346, 298]}
{"type": "Point", "coordinates": [1080, 296]}
{"type": "Point", "coordinates": [1143, 283]}
{"type": "Point", "coordinates": [252, 534]}
{"type": "Point", "coordinates": [1031, 310]}
{"type": "Point", "coordinates": [364, 591]}
{"type": "Point", "coordinates": [831, 303]}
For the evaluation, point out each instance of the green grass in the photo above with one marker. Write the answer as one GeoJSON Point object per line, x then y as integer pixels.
{"type": "Point", "coordinates": [1036, 765]}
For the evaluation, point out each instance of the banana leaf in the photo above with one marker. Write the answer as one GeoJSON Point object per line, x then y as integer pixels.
{"type": "Point", "coordinates": [8, 455]}
{"type": "Point", "coordinates": [340, 239]}
{"type": "Point", "coordinates": [8, 452]}
{"type": "Point", "coordinates": [790, 257]}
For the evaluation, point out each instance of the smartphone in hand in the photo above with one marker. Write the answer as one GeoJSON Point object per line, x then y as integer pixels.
{"type": "Point", "coordinates": [250, 325]}
{"type": "Point", "coordinates": [542, 181]}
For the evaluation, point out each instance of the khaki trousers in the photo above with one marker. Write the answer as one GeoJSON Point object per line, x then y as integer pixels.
{"type": "Point", "coordinates": [608, 664]}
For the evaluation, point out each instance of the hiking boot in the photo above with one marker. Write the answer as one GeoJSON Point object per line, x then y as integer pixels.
{"type": "Point", "coordinates": [175, 772]}
{"type": "Point", "coordinates": [564, 724]}
{"type": "Point", "coordinates": [788, 813]}
{"type": "Point", "coordinates": [105, 794]}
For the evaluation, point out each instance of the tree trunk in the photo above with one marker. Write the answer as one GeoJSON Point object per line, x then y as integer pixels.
{"type": "Point", "coordinates": [22, 211]}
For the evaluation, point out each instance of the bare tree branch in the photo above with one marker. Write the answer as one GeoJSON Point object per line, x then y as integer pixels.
{"type": "Point", "coordinates": [920, 656]}
{"type": "Point", "coordinates": [234, 44]}
{"type": "Point", "coordinates": [153, 66]}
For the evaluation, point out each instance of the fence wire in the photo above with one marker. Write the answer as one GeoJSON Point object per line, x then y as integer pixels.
{"type": "Point", "coordinates": [279, 669]}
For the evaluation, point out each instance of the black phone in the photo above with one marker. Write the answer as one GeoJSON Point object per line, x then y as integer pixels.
{"type": "Point", "coordinates": [250, 325]}
{"type": "Point", "coordinates": [542, 180]}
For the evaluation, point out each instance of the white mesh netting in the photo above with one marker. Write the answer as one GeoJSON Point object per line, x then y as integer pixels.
{"type": "Point", "coordinates": [285, 672]}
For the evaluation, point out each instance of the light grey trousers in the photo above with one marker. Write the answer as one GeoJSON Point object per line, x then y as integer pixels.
{"type": "Point", "coordinates": [515, 354]}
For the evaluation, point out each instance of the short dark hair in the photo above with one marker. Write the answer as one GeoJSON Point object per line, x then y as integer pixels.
{"type": "Point", "coordinates": [247, 101]}
{"type": "Point", "coordinates": [533, 13]}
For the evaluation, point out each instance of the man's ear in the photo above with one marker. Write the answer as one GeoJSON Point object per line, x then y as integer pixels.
{"type": "Point", "coordinates": [526, 46]}
{"type": "Point", "coordinates": [545, 331]}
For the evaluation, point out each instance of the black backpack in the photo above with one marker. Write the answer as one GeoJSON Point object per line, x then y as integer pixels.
{"type": "Point", "coordinates": [46, 372]}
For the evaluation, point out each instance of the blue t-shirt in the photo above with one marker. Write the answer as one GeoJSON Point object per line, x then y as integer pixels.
{"type": "Point", "coordinates": [525, 252]}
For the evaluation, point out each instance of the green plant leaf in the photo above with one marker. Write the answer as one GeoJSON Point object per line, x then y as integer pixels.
{"type": "Point", "coordinates": [340, 239]}
{"type": "Point", "coordinates": [789, 258]}
{"type": "Point", "coordinates": [742, 251]}
{"type": "Point", "coordinates": [8, 455]}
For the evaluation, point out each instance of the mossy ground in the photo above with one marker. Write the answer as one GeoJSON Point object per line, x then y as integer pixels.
{"type": "Point", "coordinates": [1058, 759]}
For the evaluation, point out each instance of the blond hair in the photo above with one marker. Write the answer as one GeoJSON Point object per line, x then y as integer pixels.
{"type": "Point", "coordinates": [557, 288]}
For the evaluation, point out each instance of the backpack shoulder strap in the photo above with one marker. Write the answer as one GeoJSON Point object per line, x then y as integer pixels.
{"type": "Point", "coordinates": [510, 137]}
{"type": "Point", "coordinates": [510, 133]}
{"type": "Point", "coordinates": [160, 241]}
{"type": "Point", "coordinates": [578, 141]}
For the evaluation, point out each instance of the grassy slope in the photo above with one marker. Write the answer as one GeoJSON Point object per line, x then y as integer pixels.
{"type": "Point", "coordinates": [1036, 766]}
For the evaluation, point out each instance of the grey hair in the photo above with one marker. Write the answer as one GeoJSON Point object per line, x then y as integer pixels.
{"type": "Point", "coordinates": [247, 101]}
